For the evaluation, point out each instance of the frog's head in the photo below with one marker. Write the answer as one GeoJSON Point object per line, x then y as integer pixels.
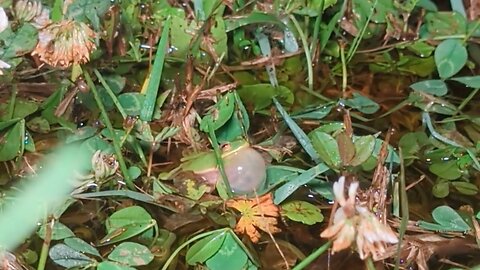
{"type": "Point", "coordinates": [234, 146]}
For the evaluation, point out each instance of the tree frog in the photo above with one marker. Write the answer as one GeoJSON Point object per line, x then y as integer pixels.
{"type": "Point", "coordinates": [244, 166]}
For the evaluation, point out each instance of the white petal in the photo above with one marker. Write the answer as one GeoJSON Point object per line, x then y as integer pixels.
{"type": "Point", "coordinates": [4, 65]}
{"type": "Point", "coordinates": [338, 190]}
{"type": "Point", "coordinates": [3, 20]}
{"type": "Point", "coordinates": [352, 191]}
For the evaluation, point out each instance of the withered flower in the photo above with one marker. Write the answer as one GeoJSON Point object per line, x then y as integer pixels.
{"type": "Point", "coordinates": [65, 43]}
{"type": "Point", "coordinates": [32, 11]}
{"type": "Point", "coordinates": [104, 165]}
{"type": "Point", "coordinates": [353, 222]}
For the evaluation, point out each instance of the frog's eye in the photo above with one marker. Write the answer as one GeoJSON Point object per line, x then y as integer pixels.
{"type": "Point", "coordinates": [225, 147]}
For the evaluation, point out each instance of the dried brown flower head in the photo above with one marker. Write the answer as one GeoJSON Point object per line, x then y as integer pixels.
{"type": "Point", "coordinates": [353, 222]}
{"type": "Point", "coordinates": [65, 43]}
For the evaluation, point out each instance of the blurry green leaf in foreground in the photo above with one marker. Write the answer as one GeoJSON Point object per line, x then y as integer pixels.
{"type": "Point", "coordinates": [48, 190]}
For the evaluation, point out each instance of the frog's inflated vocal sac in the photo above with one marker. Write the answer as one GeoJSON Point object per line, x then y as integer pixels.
{"type": "Point", "coordinates": [244, 166]}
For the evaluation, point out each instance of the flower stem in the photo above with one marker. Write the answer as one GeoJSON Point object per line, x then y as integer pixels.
{"type": "Point", "coordinates": [116, 145]}
{"type": "Point", "coordinates": [312, 256]}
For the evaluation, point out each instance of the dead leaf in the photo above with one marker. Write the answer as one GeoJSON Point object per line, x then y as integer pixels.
{"type": "Point", "coordinates": [259, 213]}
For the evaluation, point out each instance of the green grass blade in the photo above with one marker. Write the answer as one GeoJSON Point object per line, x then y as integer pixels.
{"type": "Point", "coordinates": [57, 13]}
{"type": "Point", "coordinates": [404, 208]}
{"type": "Point", "coordinates": [108, 123]}
{"type": "Point", "coordinates": [298, 133]}
{"type": "Point", "coordinates": [288, 188]}
{"type": "Point", "coordinates": [110, 93]}
{"type": "Point", "coordinates": [313, 256]}
{"type": "Point", "coordinates": [154, 77]}
{"type": "Point", "coordinates": [48, 190]}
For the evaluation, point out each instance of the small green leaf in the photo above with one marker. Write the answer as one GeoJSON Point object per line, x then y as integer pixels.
{"type": "Point", "coordinates": [421, 48]}
{"type": "Point", "coordinates": [81, 134]}
{"type": "Point", "coordinates": [219, 114]}
{"type": "Point", "coordinates": [205, 248]}
{"type": "Point", "coordinates": [11, 142]}
{"type": "Point", "coordinates": [433, 87]}
{"type": "Point", "coordinates": [115, 82]}
{"type": "Point", "coordinates": [259, 96]}
{"type": "Point", "coordinates": [59, 231]}
{"type": "Point", "coordinates": [180, 36]}
{"type": "Point", "coordinates": [465, 187]}
{"type": "Point", "coordinates": [326, 147]}
{"type": "Point", "coordinates": [441, 189]}
{"type": "Point", "coordinates": [91, 10]}
{"type": "Point", "coordinates": [22, 109]}
{"type": "Point", "coordinates": [28, 143]}
{"type": "Point", "coordinates": [411, 143]}
{"type": "Point", "coordinates": [446, 169]}
{"type": "Point", "coordinates": [81, 246]}
{"type": "Point", "coordinates": [8, 123]}
{"type": "Point", "coordinates": [362, 104]}
{"type": "Point", "coordinates": [444, 23]}
{"type": "Point", "coordinates": [220, 36]}
{"type": "Point", "coordinates": [469, 81]}
{"type": "Point", "coordinates": [67, 257]}
{"type": "Point", "coordinates": [20, 42]}
{"type": "Point", "coordinates": [134, 172]}
{"type": "Point", "coordinates": [132, 103]}
{"type": "Point", "coordinates": [106, 265]}
{"type": "Point", "coordinates": [301, 211]}
{"type": "Point", "coordinates": [450, 57]}
{"type": "Point", "coordinates": [447, 220]}
{"type": "Point", "coordinates": [230, 254]}
{"type": "Point", "coordinates": [39, 125]}
{"type": "Point", "coordinates": [126, 223]}
{"type": "Point", "coordinates": [132, 254]}
{"type": "Point", "coordinates": [364, 147]}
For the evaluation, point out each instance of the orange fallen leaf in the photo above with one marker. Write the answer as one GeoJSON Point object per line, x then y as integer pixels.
{"type": "Point", "coordinates": [256, 213]}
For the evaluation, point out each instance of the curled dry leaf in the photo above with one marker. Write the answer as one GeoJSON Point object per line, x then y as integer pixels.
{"type": "Point", "coordinates": [353, 222]}
{"type": "Point", "coordinates": [256, 213]}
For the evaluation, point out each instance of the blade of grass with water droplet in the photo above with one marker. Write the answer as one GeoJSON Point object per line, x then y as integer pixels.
{"type": "Point", "coordinates": [253, 18]}
{"type": "Point", "coordinates": [298, 133]}
{"type": "Point", "coordinates": [154, 77]}
{"type": "Point", "coordinates": [288, 188]}
{"type": "Point", "coordinates": [110, 93]}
